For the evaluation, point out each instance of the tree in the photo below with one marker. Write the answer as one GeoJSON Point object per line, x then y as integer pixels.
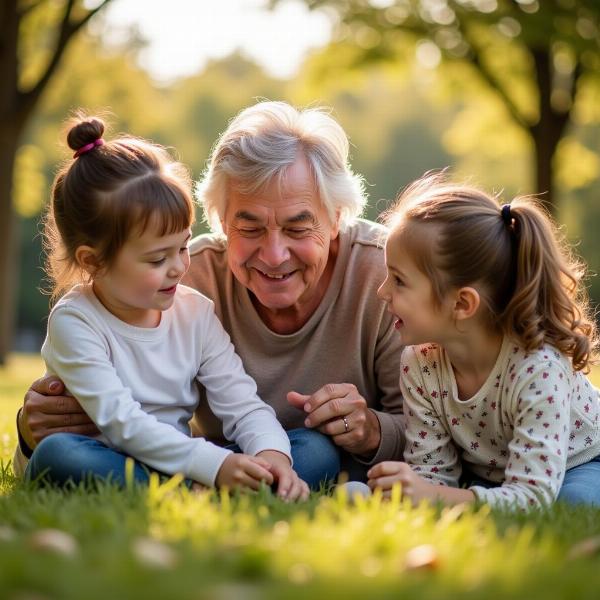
{"type": "Point", "coordinates": [24, 25]}
{"type": "Point", "coordinates": [535, 55]}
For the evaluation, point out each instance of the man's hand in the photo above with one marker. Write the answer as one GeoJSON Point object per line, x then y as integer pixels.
{"type": "Point", "coordinates": [46, 410]}
{"type": "Point", "coordinates": [243, 470]}
{"type": "Point", "coordinates": [338, 410]}
{"type": "Point", "coordinates": [385, 474]}
{"type": "Point", "coordinates": [289, 485]}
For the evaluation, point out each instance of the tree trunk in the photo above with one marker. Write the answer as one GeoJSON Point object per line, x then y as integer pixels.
{"type": "Point", "coordinates": [9, 243]}
{"type": "Point", "coordinates": [548, 131]}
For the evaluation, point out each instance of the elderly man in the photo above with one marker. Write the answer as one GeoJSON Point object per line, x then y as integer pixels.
{"type": "Point", "coordinates": [293, 274]}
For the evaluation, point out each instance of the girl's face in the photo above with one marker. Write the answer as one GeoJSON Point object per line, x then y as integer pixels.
{"type": "Point", "coordinates": [409, 296]}
{"type": "Point", "coordinates": [143, 279]}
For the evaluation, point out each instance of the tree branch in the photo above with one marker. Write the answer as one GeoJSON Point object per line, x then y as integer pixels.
{"type": "Point", "coordinates": [474, 57]}
{"type": "Point", "coordinates": [67, 30]}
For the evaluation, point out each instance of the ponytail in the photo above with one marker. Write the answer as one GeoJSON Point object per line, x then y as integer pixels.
{"type": "Point", "coordinates": [547, 304]}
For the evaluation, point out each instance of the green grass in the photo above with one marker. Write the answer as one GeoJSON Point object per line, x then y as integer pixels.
{"type": "Point", "coordinates": [165, 542]}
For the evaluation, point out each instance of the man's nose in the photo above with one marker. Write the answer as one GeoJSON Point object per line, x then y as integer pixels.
{"type": "Point", "coordinates": [274, 250]}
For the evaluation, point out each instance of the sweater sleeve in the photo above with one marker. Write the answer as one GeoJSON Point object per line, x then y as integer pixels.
{"type": "Point", "coordinates": [391, 414]}
{"type": "Point", "coordinates": [232, 395]}
{"type": "Point", "coordinates": [77, 354]}
{"type": "Point", "coordinates": [430, 450]}
{"type": "Point", "coordinates": [538, 449]}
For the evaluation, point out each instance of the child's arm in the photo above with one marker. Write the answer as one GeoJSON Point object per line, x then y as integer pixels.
{"type": "Point", "coordinates": [539, 445]}
{"type": "Point", "coordinates": [78, 355]}
{"type": "Point", "coordinates": [232, 394]}
{"type": "Point", "coordinates": [384, 475]}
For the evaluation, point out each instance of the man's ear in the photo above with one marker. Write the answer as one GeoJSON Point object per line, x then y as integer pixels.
{"type": "Point", "coordinates": [335, 227]}
{"type": "Point", "coordinates": [87, 259]}
{"type": "Point", "coordinates": [466, 303]}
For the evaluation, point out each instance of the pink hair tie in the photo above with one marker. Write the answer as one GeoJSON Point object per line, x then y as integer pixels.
{"type": "Point", "coordinates": [88, 147]}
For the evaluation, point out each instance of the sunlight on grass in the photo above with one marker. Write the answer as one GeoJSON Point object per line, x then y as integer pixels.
{"type": "Point", "coordinates": [15, 377]}
{"type": "Point", "coordinates": [164, 541]}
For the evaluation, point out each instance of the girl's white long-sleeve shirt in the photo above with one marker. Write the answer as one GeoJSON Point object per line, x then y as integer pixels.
{"type": "Point", "coordinates": [533, 418]}
{"type": "Point", "coordinates": [138, 385]}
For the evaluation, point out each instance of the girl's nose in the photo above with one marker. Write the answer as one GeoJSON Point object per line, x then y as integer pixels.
{"type": "Point", "coordinates": [382, 291]}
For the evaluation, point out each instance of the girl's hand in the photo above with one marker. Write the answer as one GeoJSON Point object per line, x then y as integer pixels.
{"type": "Point", "coordinates": [385, 474]}
{"type": "Point", "coordinates": [289, 485]}
{"type": "Point", "coordinates": [243, 470]}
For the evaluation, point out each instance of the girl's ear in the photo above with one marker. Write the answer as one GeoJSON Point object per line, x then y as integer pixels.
{"type": "Point", "coordinates": [466, 303]}
{"type": "Point", "coordinates": [87, 259]}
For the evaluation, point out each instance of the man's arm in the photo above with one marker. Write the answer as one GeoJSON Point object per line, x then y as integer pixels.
{"type": "Point", "coordinates": [46, 410]}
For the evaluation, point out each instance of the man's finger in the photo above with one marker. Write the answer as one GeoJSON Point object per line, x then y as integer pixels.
{"type": "Point", "coordinates": [334, 409]}
{"type": "Point", "coordinates": [55, 405]}
{"type": "Point", "coordinates": [64, 420]}
{"type": "Point", "coordinates": [87, 430]}
{"type": "Point", "coordinates": [48, 385]}
{"type": "Point", "coordinates": [325, 394]}
{"type": "Point", "coordinates": [297, 400]}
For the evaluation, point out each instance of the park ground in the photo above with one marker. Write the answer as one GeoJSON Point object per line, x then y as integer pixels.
{"type": "Point", "coordinates": [165, 542]}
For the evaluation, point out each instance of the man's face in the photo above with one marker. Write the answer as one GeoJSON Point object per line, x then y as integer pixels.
{"type": "Point", "coordinates": [279, 242]}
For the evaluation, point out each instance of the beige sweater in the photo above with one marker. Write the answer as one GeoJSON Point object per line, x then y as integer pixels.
{"type": "Point", "coordinates": [349, 339]}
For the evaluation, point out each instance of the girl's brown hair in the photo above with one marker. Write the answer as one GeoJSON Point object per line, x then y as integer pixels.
{"type": "Point", "coordinates": [102, 196]}
{"type": "Point", "coordinates": [524, 270]}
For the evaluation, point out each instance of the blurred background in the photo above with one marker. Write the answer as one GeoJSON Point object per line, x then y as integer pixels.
{"type": "Point", "coordinates": [506, 93]}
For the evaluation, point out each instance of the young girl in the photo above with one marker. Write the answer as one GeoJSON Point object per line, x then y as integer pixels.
{"type": "Point", "coordinates": [130, 342]}
{"type": "Point", "coordinates": [497, 335]}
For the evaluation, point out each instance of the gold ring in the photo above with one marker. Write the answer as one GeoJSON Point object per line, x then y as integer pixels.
{"type": "Point", "coordinates": [346, 424]}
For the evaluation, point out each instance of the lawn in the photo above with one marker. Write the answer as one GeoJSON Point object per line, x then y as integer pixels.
{"type": "Point", "coordinates": [164, 542]}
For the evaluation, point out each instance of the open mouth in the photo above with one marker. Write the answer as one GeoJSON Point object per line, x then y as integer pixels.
{"type": "Point", "coordinates": [275, 277]}
{"type": "Point", "coordinates": [169, 290]}
{"type": "Point", "coordinates": [398, 324]}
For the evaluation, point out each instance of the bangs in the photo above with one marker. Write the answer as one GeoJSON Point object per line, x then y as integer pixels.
{"type": "Point", "coordinates": [157, 201]}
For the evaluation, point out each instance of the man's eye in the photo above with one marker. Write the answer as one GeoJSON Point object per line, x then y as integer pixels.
{"type": "Point", "coordinates": [249, 230]}
{"type": "Point", "coordinates": [298, 230]}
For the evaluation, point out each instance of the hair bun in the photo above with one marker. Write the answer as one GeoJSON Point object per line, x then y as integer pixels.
{"type": "Point", "coordinates": [85, 131]}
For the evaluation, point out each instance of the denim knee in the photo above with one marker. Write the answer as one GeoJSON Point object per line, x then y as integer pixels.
{"type": "Point", "coordinates": [316, 457]}
{"type": "Point", "coordinates": [578, 492]}
{"type": "Point", "coordinates": [51, 455]}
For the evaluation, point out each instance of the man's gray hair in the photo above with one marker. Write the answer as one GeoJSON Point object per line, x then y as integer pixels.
{"type": "Point", "coordinates": [263, 140]}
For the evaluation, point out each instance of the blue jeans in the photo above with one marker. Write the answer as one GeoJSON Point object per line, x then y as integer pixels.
{"type": "Point", "coordinates": [64, 457]}
{"type": "Point", "coordinates": [581, 484]}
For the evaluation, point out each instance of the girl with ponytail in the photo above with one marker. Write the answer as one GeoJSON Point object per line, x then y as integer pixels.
{"type": "Point", "coordinates": [498, 337]}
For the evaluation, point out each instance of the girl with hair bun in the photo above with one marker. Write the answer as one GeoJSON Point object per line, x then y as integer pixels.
{"type": "Point", "coordinates": [130, 342]}
{"type": "Point", "coordinates": [489, 305]}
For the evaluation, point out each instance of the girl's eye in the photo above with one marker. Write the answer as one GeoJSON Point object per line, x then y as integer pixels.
{"type": "Point", "coordinates": [184, 249]}
{"type": "Point", "coordinates": [398, 281]}
{"type": "Point", "coordinates": [158, 262]}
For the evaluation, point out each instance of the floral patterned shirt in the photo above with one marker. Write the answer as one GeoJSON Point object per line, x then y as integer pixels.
{"type": "Point", "coordinates": [533, 418]}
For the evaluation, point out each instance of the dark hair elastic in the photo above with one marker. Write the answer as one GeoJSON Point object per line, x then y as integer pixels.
{"type": "Point", "coordinates": [506, 216]}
